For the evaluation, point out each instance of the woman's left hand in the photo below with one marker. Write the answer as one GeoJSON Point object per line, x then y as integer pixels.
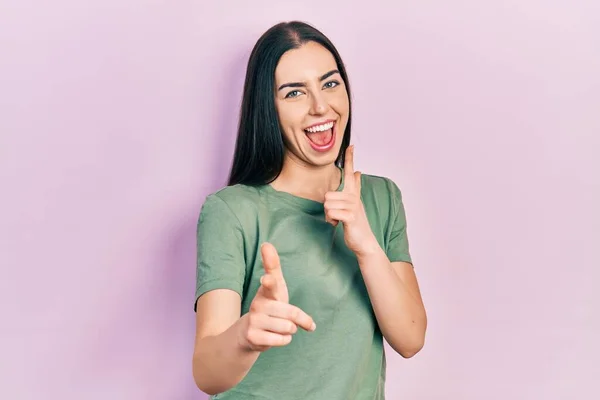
{"type": "Point", "coordinates": [346, 206]}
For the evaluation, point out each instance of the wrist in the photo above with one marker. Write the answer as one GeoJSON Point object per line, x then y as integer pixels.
{"type": "Point", "coordinates": [370, 249]}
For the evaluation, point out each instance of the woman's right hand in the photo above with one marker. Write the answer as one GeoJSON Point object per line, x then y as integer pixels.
{"type": "Point", "coordinates": [271, 320]}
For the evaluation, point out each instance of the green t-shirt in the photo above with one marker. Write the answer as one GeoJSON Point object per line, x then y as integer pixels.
{"type": "Point", "coordinates": [344, 358]}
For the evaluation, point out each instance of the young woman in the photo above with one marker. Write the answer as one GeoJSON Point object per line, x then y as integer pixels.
{"type": "Point", "coordinates": [303, 263]}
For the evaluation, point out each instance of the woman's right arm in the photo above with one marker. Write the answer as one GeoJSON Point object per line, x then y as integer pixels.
{"type": "Point", "coordinates": [226, 344]}
{"type": "Point", "coordinates": [220, 361]}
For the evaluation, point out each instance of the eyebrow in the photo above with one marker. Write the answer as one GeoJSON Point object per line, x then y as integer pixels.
{"type": "Point", "coordinates": [300, 84]}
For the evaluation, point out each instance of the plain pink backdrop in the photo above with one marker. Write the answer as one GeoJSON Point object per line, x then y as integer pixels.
{"type": "Point", "coordinates": [117, 118]}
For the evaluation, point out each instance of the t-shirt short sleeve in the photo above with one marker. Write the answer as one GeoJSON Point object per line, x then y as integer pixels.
{"type": "Point", "coordinates": [397, 244]}
{"type": "Point", "coordinates": [220, 249]}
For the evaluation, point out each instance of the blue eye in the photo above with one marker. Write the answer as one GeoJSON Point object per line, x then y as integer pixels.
{"type": "Point", "coordinates": [331, 84]}
{"type": "Point", "coordinates": [291, 94]}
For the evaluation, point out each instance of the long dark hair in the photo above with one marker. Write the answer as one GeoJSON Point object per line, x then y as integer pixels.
{"type": "Point", "coordinates": [259, 147]}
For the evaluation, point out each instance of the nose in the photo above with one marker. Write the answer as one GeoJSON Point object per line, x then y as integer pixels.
{"type": "Point", "coordinates": [318, 104]}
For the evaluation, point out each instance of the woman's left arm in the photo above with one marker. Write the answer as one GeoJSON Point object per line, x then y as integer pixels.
{"type": "Point", "coordinates": [392, 286]}
{"type": "Point", "coordinates": [396, 299]}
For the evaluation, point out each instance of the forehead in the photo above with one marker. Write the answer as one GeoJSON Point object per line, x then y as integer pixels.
{"type": "Point", "coordinates": [308, 62]}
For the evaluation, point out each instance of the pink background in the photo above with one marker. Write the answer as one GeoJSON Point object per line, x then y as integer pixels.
{"type": "Point", "coordinates": [118, 117]}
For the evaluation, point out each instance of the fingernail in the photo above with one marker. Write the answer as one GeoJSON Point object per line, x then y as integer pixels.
{"type": "Point", "coordinates": [313, 327]}
{"type": "Point", "coordinates": [261, 279]}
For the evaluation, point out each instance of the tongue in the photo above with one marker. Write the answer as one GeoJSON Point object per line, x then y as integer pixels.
{"type": "Point", "coordinates": [320, 138]}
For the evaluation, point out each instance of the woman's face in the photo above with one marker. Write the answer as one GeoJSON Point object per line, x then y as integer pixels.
{"type": "Point", "coordinates": [312, 104]}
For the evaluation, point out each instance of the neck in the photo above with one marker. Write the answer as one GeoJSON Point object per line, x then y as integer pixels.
{"type": "Point", "coordinates": [308, 181]}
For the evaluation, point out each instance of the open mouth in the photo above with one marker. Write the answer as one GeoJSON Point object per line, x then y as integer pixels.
{"type": "Point", "coordinates": [321, 137]}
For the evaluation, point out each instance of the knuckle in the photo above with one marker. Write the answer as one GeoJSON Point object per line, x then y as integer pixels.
{"type": "Point", "coordinates": [253, 318]}
{"type": "Point", "coordinates": [295, 313]}
{"type": "Point", "coordinates": [265, 281]}
{"type": "Point", "coordinates": [251, 336]}
{"type": "Point", "coordinates": [291, 327]}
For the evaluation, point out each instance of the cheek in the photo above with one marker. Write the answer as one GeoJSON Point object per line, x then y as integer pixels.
{"type": "Point", "coordinates": [289, 121]}
{"type": "Point", "coordinates": [289, 115]}
{"type": "Point", "coordinates": [340, 104]}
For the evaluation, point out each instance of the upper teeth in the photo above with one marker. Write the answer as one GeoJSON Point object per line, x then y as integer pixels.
{"type": "Point", "coordinates": [320, 128]}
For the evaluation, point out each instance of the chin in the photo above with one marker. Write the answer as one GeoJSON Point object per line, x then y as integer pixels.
{"type": "Point", "coordinates": [322, 160]}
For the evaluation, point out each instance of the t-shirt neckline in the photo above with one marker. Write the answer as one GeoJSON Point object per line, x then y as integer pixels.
{"type": "Point", "coordinates": [302, 202]}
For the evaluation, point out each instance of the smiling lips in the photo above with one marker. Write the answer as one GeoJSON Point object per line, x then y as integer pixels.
{"type": "Point", "coordinates": [321, 137]}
